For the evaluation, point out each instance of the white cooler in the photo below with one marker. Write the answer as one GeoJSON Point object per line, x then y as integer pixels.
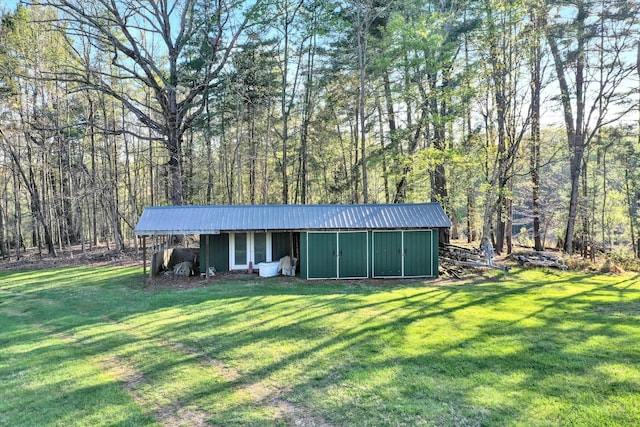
{"type": "Point", "coordinates": [268, 269]}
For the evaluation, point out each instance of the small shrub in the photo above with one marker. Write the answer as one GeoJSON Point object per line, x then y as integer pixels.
{"type": "Point", "coordinates": [577, 263]}
{"type": "Point", "coordinates": [524, 238]}
{"type": "Point", "coordinates": [610, 266]}
{"type": "Point", "coordinates": [625, 258]}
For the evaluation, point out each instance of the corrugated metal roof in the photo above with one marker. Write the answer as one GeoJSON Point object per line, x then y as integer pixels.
{"type": "Point", "coordinates": [160, 220]}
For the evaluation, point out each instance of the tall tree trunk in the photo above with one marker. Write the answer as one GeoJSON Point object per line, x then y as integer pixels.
{"type": "Point", "coordinates": [32, 187]}
{"type": "Point", "coordinates": [237, 153]}
{"type": "Point", "coordinates": [307, 110]}
{"type": "Point", "coordinates": [210, 192]}
{"type": "Point", "coordinates": [284, 110]}
{"type": "Point", "coordinates": [131, 193]}
{"type": "Point", "coordinates": [3, 253]}
{"type": "Point", "coordinates": [575, 135]}
{"type": "Point", "coordinates": [470, 214]}
{"type": "Point", "coordinates": [383, 154]}
{"type": "Point", "coordinates": [536, 89]}
{"type": "Point", "coordinates": [634, 212]}
{"type": "Point", "coordinates": [253, 154]}
{"type": "Point", "coordinates": [267, 148]}
{"type": "Point", "coordinates": [501, 107]}
{"type": "Point", "coordinates": [94, 176]}
{"type": "Point", "coordinates": [401, 186]}
{"type": "Point", "coordinates": [17, 219]}
{"type": "Point", "coordinates": [438, 105]}
{"type": "Point", "coordinates": [361, 34]}
{"type": "Point", "coordinates": [174, 146]}
{"type": "Point", "coordinates": [355, 177]}
{"type": "Point", "coordinates": [508, 232]}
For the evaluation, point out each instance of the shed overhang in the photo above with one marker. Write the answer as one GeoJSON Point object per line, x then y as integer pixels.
{"type": "Point", "coordinates": [177, 220]}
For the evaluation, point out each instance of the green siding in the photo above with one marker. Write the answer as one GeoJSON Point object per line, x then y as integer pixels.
{"type": "Point", "coordinates": [279, 245]}
{"type": "Point", "coordinates": [352, 249]}
{"type": "Point", "coordinates": [218, 251]}
{"type": "Point", "coordinates": [344, 254]}
{"type": "Point", "coordinates": [322, 250]}
{"type": "Point", "coordinates": [260, 248]}
{"type": "Point", "coordinates": [302, 262]}
{"type": "Point", "coordinates": [387, 253]}
{"type": "Point", "coordinates": [410, 253]}
{"type": "Point", "coordinates": [418, 253]}
{"type": "Point", "coordinates": [435, 235]}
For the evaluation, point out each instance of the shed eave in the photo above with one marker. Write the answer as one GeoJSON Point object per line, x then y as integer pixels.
{"type": "Point", "coordinates": [176, 232]}
{"type": "Point", "coordinates": [179, 220]}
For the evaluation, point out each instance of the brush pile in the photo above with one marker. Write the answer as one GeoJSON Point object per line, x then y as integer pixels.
{"type": "Point", "coordinates": [454, 259]}
{"type": "Point", "coordinates": [539, 259]}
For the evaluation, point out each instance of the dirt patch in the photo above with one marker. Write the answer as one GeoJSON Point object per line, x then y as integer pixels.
{"type": "Point", "coordinates": [172, 281]}
{"type": "Point", "coordinates": [126, 373]}
{"type": "Point", "coordinates": [168, 415]}
{"type": "Point", "coordinates": [299, 417]}
{"type": "Point", "coordinates": [172, 416]}
{"type": "Point", "coordinates": [226, 373]}
{"type": "Point", "coordinates": [32, 259]}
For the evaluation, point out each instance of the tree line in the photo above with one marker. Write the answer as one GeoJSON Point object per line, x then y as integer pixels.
{"type": "Point", "coordinates": [521, 117]}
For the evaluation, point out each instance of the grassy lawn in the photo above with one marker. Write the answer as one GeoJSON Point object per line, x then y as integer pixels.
{"type": "Point", "coordinates": [93, 346]}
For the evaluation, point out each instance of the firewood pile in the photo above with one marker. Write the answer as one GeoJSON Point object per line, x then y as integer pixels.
{"type": "Point", "coordinates": [454, 259]}
{"type": "Point", "coordinates": [183, 269]}
{"type": "Point", "coordinates": [539, 259]}
{"type": "Point", "coordinates": [459, 253]}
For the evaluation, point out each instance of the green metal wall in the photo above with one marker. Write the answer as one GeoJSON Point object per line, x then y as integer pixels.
{"type": "Point", "coordinates": [260, 247]}
{"type": "Point", "coordinates": [409, 253]}
{"type": "Point", "coordinates": [387, 253]}
{"type": "Point", "coordinates": [218, 251]}
{"type": "Point", "coordinates": [418, 259]}
{"type": "Point", "coordinates": [353, 255]}
{"type": "Point", "coordinates": [332, 255]}
{"type": "Point", "coordinates": [435, 255]}
{"type": "Point", "coordinates": [322, 251]}
{"type": "Point", "coordinates": [279, 245]}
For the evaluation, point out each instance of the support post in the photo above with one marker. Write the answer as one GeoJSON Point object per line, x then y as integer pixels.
{"type": "Point", "coordinates": [144, 257]}
{"type": "Point", "coordinates": [291, 244]}
{"type": "Point", "coordinates": [206, 262]}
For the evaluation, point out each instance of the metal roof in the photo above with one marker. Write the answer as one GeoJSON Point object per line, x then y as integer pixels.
{"type": "Point", "coordinates": [212, 219]}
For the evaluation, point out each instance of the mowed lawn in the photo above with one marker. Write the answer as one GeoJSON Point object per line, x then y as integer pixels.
{"type": "Point", "coordinates": [94, 346]}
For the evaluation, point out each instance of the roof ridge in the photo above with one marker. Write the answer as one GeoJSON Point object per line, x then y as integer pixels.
{"type": "Point", "coordinates": [216, 218]}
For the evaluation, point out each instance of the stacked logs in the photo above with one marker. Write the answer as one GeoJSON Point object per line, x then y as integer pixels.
{"type": "Point", "coordinates": [539, 259]}
{"type": "Point", "coordinates": [453, 260]}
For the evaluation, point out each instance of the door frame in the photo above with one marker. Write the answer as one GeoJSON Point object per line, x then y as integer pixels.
{"type": "Point", "coordinates": [373, 254]}
{"type": "Point", "coordinates": [340, 253]}
{"type": "Point", "coordinates": [337, 255]}
{"type": "Point", "coordinates": [432, 257]}
{"type": "Point", "coordinates": [402, 252]}
{"type": "Point", "coordinates": [251, 253]}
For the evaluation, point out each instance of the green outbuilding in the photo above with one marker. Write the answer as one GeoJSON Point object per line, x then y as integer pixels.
{"type": "Point", "coordinates": [324, 241]}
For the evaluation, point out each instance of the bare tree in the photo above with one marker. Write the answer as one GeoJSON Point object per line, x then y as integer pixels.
{"type": "Point", "coordinates": [175, 49]}
{"type": "Point", "coordinates": [591, 72]}
{"type": "Point", "coordinates": [535, 56]}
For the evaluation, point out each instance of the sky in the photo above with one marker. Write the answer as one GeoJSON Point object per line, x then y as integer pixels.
{"type": "Point", "coordinates": [8, 4]}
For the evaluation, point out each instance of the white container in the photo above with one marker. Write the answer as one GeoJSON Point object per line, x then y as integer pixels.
{"type": "Point", "coordinates": [268, 269]}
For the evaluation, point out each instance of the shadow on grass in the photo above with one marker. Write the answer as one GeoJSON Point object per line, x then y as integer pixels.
{"type": "Point", "coordinates": [550, 349]}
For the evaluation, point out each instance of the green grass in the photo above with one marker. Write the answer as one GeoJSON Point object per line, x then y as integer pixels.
{"type": "Point", "coordinates": [93, 346]}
